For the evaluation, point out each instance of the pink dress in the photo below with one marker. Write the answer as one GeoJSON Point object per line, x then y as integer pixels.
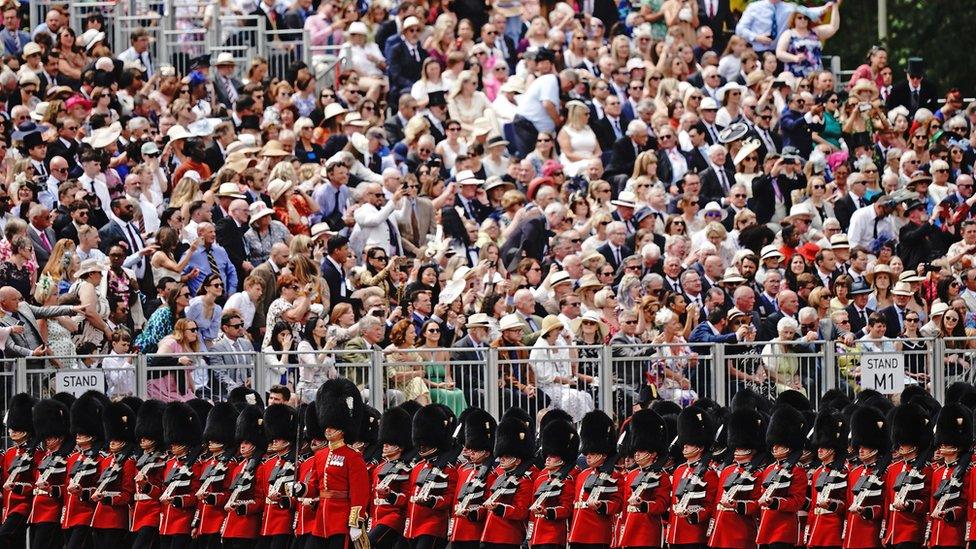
{"type": "Point", "coordinates": [171, 384]}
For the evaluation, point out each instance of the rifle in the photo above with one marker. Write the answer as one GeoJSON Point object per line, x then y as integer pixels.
{"type": "Point", "coordinates": [552, 487]}
{"type": "Point", "coordinates": [211, 475]}
{"type": "Point", "coordinates": [598, 484]}
{"type": "Point", "coordinates": [21, 465]}
{"type": "Point", "coordinates": [781, 478]}
{"type": "Point", "coordinates": [833, 479]}
{"type": "Point", "coordinates": [949, 490]}
{"type": "Point", "coordinates": [146, 463]}
{"type": "Point", "coordinates": [281, 478]}
{"type": "Point", "coordinates": [734, 485]}
{"type": "Point", "coordinates": [648, 480]}
{"type": "Point", "coordinates": [473, 490]}
{"type": "Point", "coordinates": [243, 483]}
{"type": "Point", "coordinates": [909, 481]}
{"type": "Point", "coordinates": [84, 468]}
{"type": "Point", "coordinates": [111, 474]}
{"type": "Point", "coordinates": [179, 477]}
{"type": "Point", "coordinates": [434, 477]}
{"type": "Point", "coordinates": [507, 484]}
{"type": "Point", "coordinates": [52, 464]}
{"type": "Point", "coordinates": [691, 488]}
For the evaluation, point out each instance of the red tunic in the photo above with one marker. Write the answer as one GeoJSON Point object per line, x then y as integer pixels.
{"type": "Point", "coordinates": [465, 525]}
{"type": "Point", "coordinates": [244, 520]}
{"type": "Point", "coordinates": [506, 523]}
{"type": "Point", "coordinates": [595, 525]}
{"type": "Point", "coordinates": [906, 526]}
{"type": "Point", "coordinates": [692, 529]}
{"type": "Point", "coordinates": [306, 508]}
{"type": "Point", "coordinates": [863, 527]}
{"type": "Point", "coordinates": [277, 519]}
{"type": "Point", "coordinates": [210, 512]}
{"type": "Point", "coordinates": [46, 507]}
{"type": "Point", "coordinates": [825, 526]}
{"type": "Point", "coordinates": [430, 518]}
{"type": "Point", "coordinates": [735, 527]}
{"type": "Point", "coordinates": [16, 500]}
{"type": "Point", "coordinates": [949, 528]}
{"type": "Point", "coordinates": [146, 510]}
{"type": "Point", "coordinates": [778, 518]}
{"type": "Point", "coordinates": [382, 511]}
{"type": "Point", "coordinates": [178, 513]}
{"type": "Point", "coordinates": [112, 510]}
{"type": "Point", "coordinates": [551, 526]}
{"type": "Point", "coordinates": [78, 508]}
{"type": "Point", "coordinates": [341, 483]}
{"type": "Point", "coordinates": [641, 524]}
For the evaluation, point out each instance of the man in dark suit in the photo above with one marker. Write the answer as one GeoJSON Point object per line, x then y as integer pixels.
{"type": "Point", "coordinates": [406, 108]}
{"type": "Point", "coordinates": [789, 304]}
{"type": "Point", "coordinates": [613, 125]}
{"type": "Point", "coordinates": [406, 59]}
{"type": "Point", "coordinates": [894, 314]}
{"type": "Point", "coordinates": [530, 239]}
{"type": "Point", "coordinates": [78, 216]}
{"type": "Point", "coordinates": [708, 112]}
{"type": "Point", "coordinates": [718, 179]}
{"type": "Point", "coordinates": [333, 269]}
{"type": "Point", "coordinates": [915, 92]}
{"type": "Point", "coordinates": [502, 47]}
{"type": "Point", "coordinates": [604, 10]}
{"type": "Point", "coordinates": [858, 311]}
{"type": "Point", "coordinates": [470, 352]}
{"type": "Point", "coordinates": [66, 145]}
{"type": "Point", "coordinates": [41, 235]}
{"type": "Point", "coordinates": [845, 207]}
{"type": "Point", "coordinates": [226, 86]}
{"type": "Point", "coordinates": [765, 195]}
{"type": "Point", "coordinates": [626, 149]}
{"type": "Point", "coordinates": [616, 250]}
{"type": "Point", "coordinates": [717, 15]}
{"type": "Point", "coordinates": [698, 155]}
{"type": "Point", "coordinates": [797, 130]}
{"type": "Point", "coordinates": [770, 141]}
{"type": "Point", "coordinates": [230, 235]}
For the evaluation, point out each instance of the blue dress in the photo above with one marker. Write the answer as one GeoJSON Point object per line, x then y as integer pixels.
{"type": "Point", "coordinates": [810, 48]}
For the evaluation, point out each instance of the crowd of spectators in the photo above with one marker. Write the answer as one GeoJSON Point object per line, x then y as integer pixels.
{"type": "Point", "coordinates": [536, 177]}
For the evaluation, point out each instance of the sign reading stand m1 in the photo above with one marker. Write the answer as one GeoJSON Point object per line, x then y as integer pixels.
{"type": "Point", "coordinates": [76, 382]}
{"type": "Point", "coordinates": [883, 372]}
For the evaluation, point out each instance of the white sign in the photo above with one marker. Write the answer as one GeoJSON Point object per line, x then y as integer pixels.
{"type": "Point", "coordinates": [76, 382]}
{"type": "Point", "coordinates": [883, 372]}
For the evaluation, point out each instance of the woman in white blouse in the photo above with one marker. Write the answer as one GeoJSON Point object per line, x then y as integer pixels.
{"type": "Point", "coordinates": [430, 81]}
{"type": "Point", "coordinates": [363, 56]}
{"type": "Point", "coordinates": [465, 103]}
{"type": "Point", "coordinates": [555, 367]}
{"type": "Point", "coordinates": [577, 140]}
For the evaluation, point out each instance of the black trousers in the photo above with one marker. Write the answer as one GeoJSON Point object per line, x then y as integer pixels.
{"type": "Point", "coordinates": [46, 535]}
{"type": "Point", "coordinates": [777, 546]}
{"type": "Point", "coordinates": [79, 537]}
{"type": "Point", "coordinates": [547, 546]}
{"type": "Point", "coordinates": [110, 537]}
{"type": "Point", "coordinates": [238, 543]}
{"type": "Point", "coordinates": [688, 546]}
{"type": "Point", "coordinates": [589, 545]}
{"type": "Point", "coordinates": [300, 542]}
{"type": "Point", "coordinates": [208, 541]}
{"type": "Point", "coordinates": [176, 541]}
{"type": "Point", "coordinates": [384, 537]}
{"type": "Point", "coordinates": [282, 541]}
{"type": "Point", "coordinates": [465, 545]}
{"type": "Point", "coordinates": [428, 542]}
{"type": "Point", "coordinates": [146, 537]}
{"type": "Point", "coordinates": [13, 531]}
{"type": "Point", "coordinates": [906, 546]}
{"type": "Point", "coordinates": [499, 546]}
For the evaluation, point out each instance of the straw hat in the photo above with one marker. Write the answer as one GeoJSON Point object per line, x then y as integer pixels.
{"type": "Point", "coordinates": [225, 59]}
{"type": "Point", "coordinates": [625, 199]}
{"type": "Point", "coordinates": [839, 242]}
{"type": "Point", "coordinates": [745, 150]}
{"type": "Point", "coordinates": [278, 187]}
{"type": "Point", "coordinates": [333, 109]}
{"type": "Point", "coordinates": [361, 143]}
{"type": "Point", "coordinates": [510, 322]}
{"type": "Point", "coordinates": [903, 289]}
{"type": "Point", "coordinates": [451, 292]}
{"type": "Point", "coordinates": [467, 177]}
{"type": "Point", "coordinates": [230, 190]}
{"type": "Point", "coordinates": [549, 324]}
{"type": "Point", "coordinates": [733, 313]}
{"type": "Point", "coordinates": [714, 207]}
{"type": "Point", "coordinates": [319, 230]}
{"type": "Point", "coordinates": [732, 276]}
{"type": "Point", "coordinates": [770, 251]}
{"type": "Point", "coordinates": [90, 266]}
{"type": "Point", "coordinates": [938, 308]}
{"type": "Point", "coordinates": [865, 85]}
{"type": "Point", "coordinates": [357, 27]}
{"type": "Point", "coordinates": [880, 268]}
{"type": "Point", "coordinates": [259, 210]}
{"type": "Point", "coordinates": [177, 132]}
{"type": "Point", "coordinates": [591, 316]}
{"type": "Point", "coordinates": [105, 136]}
{"type": "Point", "coordinates": [589, 281]}
{"type": "Point", "coordinates": [910, 276]}
{"type": "Point", "coordinates": [274, 148]}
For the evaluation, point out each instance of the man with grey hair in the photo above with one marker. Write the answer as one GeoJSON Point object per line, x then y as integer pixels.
{"type": "Point", "coordinates": [538, 109]}
{"type": "Point", "coordinates": [374, 221]}
{"type": "Point", "coordinates": [718, 179]}
{"type": "Point", "coordinates": [626, 149]}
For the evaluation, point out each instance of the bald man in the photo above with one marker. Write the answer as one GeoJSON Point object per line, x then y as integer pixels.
{"type": "Point", "coordinates": [230, 235]}
{"type": "Point", "coordinates": [21, 317]}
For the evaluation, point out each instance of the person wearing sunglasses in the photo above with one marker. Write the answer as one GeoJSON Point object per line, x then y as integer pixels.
{"type": "Point", "coordinates": [229, 350]}
{"type": "Point", "coordinates": [406, 59]}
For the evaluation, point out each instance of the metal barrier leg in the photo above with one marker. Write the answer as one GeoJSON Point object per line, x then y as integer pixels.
{"type": "Point", "coordinates": [606, 381]}
{"type": "Point", "coordinates": [492, 375]}
{"type": "Point", "coordinates": [140, 363]}
{"type": "Point", "coordinates": [260, 375]}
{"type": "Point", "coordinates": [938, 369]}
{"type": "Point", "coordinates": [20, 376]}
{"type": "Point", "coordinates": [376, 380]}
{"type": "Point", "coordinates": [720, 374]}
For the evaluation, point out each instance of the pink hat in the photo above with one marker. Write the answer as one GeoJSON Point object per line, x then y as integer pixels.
{"type": "Point", "coordinates": [77, 101]}
{"type": "Point", "coordinates": [550, 167]}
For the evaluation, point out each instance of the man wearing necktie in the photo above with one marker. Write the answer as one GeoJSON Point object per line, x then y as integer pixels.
{"type": "Point", "coordinates": [375, 224]}
{"type": "Point", "coordinates": [895, 313]}
{"type": "Point", "coordinates": [121, 230]}
{"type": "Point", "coordinates": [406, 59]}
{"type": "Point", "coordinates": [139, 51]}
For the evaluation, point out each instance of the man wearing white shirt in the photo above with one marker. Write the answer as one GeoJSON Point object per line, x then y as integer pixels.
{"type": "Point", "coordinates": [139, 51]}
{"type": "Point", "coordinates": [872, 222]}
{"type": "Point", "coordinates": [48, 195]}
{"type": "Point", "coordinates": [374, 223]}
{"type": "Point", "coordinates": [88, 241]}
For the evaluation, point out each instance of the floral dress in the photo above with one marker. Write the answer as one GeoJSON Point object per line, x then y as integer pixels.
{"type": "Point", "coordinates": [810, 48]}
{"type": "Point", "coordinates": [159, 325]}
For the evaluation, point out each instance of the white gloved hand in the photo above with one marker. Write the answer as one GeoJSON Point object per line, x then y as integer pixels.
{"type": "Point", "coordinates": [355, 533]}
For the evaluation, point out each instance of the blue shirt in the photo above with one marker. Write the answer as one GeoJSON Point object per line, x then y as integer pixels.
{"type": "Point", "coordinates": [209, 328]}
{"type": "Point", "coordinates": [324, 196]}
{"type": "Point", "coordinates": [759, 17]}
{"type": "Point", "coordinates": [199, 260]}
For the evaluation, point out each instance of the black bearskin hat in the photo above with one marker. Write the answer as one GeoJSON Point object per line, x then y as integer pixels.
{"type": "Point", "coordinates": [523, 416]}
{"type": "Point", "coordinates": [554, 414]}
{"type": "Point", "coordinates": [559, 438]}
{"type": "Point", "coordinates": [597, 434]}
{"type": "Point", "coordinates": [280, 422]}
{"type": "Point", "coordinates": [119, 422]}
{"type": "Point", "coordinates": [149, 420]}
{"type": "Point", "coordinates": [181, 425]}
{"type": "Point", "coordinates": [833, 399]}
{"type": "Point", "coordinates": [369, 430]}
{"type": "Point", "coordinates": [910, 426]}
{"type": "Point", "coordinates": [411, 406]}
{"type": "Point", "coordinates": [250, 428]}
{"type": "Point", "coordinates": [512, 438]}
{"type": "Point", "coordinates": [133, 402]}
{"type": "Point", "coordinates": [50, 419]}
{"type": "Point", "coordinates": [431, 428]}
{"type": "Point", "coordinates": [67, 399]}
{"type": "Point", "coordinates": [395, 428]}
{"type": "Point", "coordinates": [202, 408]}
{"type": "Point", "coordinates": [747, 399]}
{"type": "Point", "coordinates": [480, 429]}
{"type": "Point", "coordinates": [86, 415]}
{"type": "Point", "coordinates": [795, 399]}
{"type": "Point", "coordinates": [647, 432]}
{"type": "Point", "coordinates": [955, 427]}
{"type": "Point", "coordinates": [746, 429]}
{"type": "Point", "coordinates": [221, 422]}
{"type": "Point", "coordinates": [310, 422]}
{"type": "Point", "coordinates": [869, 428]}
{"type": "Point", "coordinates": [242, 397]}
{"type": "Point", "coordinates": [787, 427]}
{"type": "Point", "coordinates": [665, 407]}
{"type": "Point", "coordinates": [695, 427]}
{"type": "Point", "coordinates": [19, 413]}
{"type": "Point", "coordinates": [339, 405]}
{"type": "Point", "coordinates": [870, 397]}
{"type": "Point", "coordinates": [830, 430]}
{"type": "Point", "coordinates": [956, 391]}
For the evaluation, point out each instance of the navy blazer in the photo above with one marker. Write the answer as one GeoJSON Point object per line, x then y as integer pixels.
{"type": "Point", "coordinates": [703, 334]}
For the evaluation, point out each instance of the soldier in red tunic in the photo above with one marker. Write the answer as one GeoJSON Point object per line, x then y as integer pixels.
{"type": "Point", "coordinates": [248, 485]}
{"type": "Point", "coordinates": [554, 487]}
{"type": "Point", "coordinates": [388, 511]}
{"type": "Point", "coordinates": [216, 466]}
{"type": "Point", "coordinates": [51, 427]}
{"type": "Point", "coordinates": [784, 482]}
{"type": "Point", "coordinates": [598, 495]}
{"type": "Point", "coordinates": [950, 481]}
{"type": "Point", "coordinates": [694, 483]}
{"type": "Point", "coordinates": [339, 474]}
{"type": "Point", "coordinates": [18, 468]}
{"type": "Point", "coordinates": [433, 479]}
{"type": "Point", "coordinates": [647, 488]}
{"type": "Point", "coordinates": [182, 433]}
{"type": "Point", "coordinates": [865, 483]}
{"type": "Point", "coordinates": [908, 479]}
{"type": "Point", "coordinates": [828, 486]}
{"type": "Point", "coordinates": [737, 507]}
{"type": "Point", "coordinates": [116, 481]}
{"type": "Point", "coordinates": [306, 507]}
{"type": "Point", "coordinates": [510, 493]}
{"type": "Point", "coordinates": [280, 429]}
{"type": "Point", "coordinates": [475, 477]}
{"type": "Point", "coordinates": [86, 425]}
{"type": "Point", "coordinates": [150, 460]}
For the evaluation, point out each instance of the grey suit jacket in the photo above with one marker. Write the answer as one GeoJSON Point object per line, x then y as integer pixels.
{"type": "Point", "coordinates": [425, 225]}
{"type": "Point", "coordinates": [234, 359]}
{"type": "Point", "coordinates": [21, 345]}
{"type": "Point", "coordinates": [39, 252]}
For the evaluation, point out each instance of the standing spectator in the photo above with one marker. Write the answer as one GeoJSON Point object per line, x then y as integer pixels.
{"type": "Point", "coordinates": [247, 300]}
{"type": "Point", "coordinates": [317, 364]}
{"type": "Point", "coordinates": [763, 21]}
{"type": "Point", "coordinates": [914, 92]}
{"type": "Point", "coordinates": [800, 46]}
{"type": "Point", "coordinates": [210, 258]}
